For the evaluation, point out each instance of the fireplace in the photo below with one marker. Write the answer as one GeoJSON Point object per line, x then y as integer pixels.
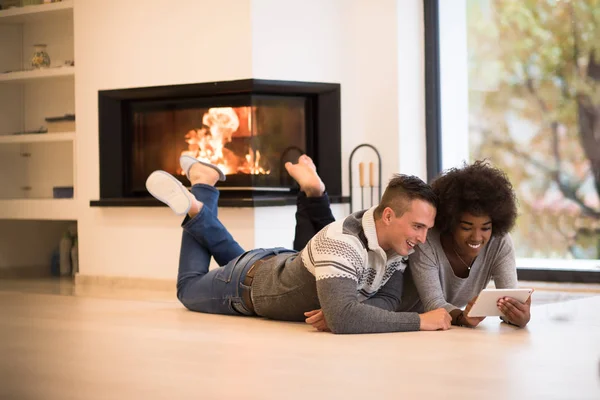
{"type": "Point", "coordinates": [249, 128]}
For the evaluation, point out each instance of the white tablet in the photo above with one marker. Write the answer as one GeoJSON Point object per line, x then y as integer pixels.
{"type": "Point", "coordinates": [486, 303]}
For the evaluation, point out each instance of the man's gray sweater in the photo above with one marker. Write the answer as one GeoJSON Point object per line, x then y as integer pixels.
{"type": "Point", "coordinates": [343, 271]}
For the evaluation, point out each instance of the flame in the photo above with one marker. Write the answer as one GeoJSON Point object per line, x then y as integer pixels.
{"type": "Point", "coordinates": [208, 145]}
{"type": "Point", "coordinates": [253, 163]}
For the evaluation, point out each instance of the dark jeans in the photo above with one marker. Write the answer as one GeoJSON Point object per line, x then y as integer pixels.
{"type": "Point", "coordinates": [219, 291]}
{"type": "Point", "coordinates": [312, 215]}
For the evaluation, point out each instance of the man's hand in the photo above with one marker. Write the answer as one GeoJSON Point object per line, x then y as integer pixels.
{"type": "Point", "coordinates": [515, 312]}
{"type": "Point", "coordinates": [471, 322]}
{"type": "Point", "coordinates": [435, 320]}
{"type": "Point", "coordinates": [317, 320]}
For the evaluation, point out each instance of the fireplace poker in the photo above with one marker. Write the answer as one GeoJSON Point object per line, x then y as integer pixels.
{"type": "Point", "coordinates": [371, 179]}
{"type": "Point", "coordinates": [361, 175]}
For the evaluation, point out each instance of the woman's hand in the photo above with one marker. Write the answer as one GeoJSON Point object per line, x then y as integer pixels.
{"type": "Point", "coordinates": [317, 320]}
{"type": "Point", "coordinates": [471, 322]}
{"type": "Point", "coordinates": [514, 311]}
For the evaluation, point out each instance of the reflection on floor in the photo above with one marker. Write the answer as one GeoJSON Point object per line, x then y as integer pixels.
{"type": "Point", "coordinates": [545, 292]}
{"type": "Point", "coordinates": [67, 287]}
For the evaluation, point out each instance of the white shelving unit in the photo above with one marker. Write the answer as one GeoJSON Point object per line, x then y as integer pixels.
{"type": "Point", "coordinates": [31, 165]}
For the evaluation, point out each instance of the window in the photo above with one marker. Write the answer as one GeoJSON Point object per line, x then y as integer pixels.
{"type": "Point", "coordinates": [519, 84]}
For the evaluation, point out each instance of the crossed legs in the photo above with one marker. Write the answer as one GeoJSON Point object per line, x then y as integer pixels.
{"type": "Point", "coordinates": [204, 236]}
{"type": "Point", "coordinates": [313, 210]}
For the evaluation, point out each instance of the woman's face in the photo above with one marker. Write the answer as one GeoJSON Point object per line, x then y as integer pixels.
{"type": "Point", "coordinates": [472, 233]}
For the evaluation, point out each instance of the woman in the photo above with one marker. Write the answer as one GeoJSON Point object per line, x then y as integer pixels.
{"type": "Point", "coordinates": [470, 245]}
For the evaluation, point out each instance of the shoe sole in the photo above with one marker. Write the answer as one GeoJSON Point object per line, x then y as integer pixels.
{"type": "Point", "coordinates": [186, 163]}
{"type": "Point", "coordinates": [166, 188]}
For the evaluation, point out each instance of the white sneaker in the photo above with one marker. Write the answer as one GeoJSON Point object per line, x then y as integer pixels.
{"type": "Point", "coordinates": [186, 163]}
{"type": "Point", "coordinates": [166, 188]}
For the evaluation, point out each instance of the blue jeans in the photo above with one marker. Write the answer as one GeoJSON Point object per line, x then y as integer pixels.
{"type": "Point", "coordinates": [219, 291]}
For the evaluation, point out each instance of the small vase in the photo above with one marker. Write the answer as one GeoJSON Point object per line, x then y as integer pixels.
{"type": "Point", "coordinates": [40, 58]}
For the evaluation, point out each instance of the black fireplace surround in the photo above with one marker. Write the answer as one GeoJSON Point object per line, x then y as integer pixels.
{"type": "Point", "coordinates": [249, 127]}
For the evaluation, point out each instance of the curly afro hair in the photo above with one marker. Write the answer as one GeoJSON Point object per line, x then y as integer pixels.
{"type": "Point", "coordinates": [478, 189]}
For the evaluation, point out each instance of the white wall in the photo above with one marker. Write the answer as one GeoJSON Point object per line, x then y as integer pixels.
{"type": "Point", "coordinates": [355, 43]}
{"type": "Point", "coordinates": [120, 44]}
{"type": "Point", "coordinates": [454, 83]}
{"type": "Point", "coordinates": [411, 88]}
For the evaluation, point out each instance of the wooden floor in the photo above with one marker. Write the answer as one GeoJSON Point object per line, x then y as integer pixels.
{"type": "Point", "coordinates": [60, 344]}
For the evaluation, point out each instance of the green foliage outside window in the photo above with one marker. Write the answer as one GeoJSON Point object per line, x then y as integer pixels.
{"type": "Point", "coordinates": [534, 110]}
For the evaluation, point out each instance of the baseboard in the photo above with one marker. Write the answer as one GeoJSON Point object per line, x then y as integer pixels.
{"type": "Point", "coordinates": [35, 271]}
{"type": "Point", "coordinates": [124, 282]}
{"type": "Point", "coordinates": [554, 275]}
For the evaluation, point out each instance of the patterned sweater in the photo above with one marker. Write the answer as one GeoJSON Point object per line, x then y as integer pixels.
{"type": "Point", "coordinates": [343, 271]}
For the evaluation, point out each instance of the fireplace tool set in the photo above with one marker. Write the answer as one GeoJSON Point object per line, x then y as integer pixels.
{"type": "Point", "coordinates": [371, 184]}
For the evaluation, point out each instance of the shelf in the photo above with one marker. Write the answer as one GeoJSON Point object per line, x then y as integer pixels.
{"type": "Point", "coordinates": [39, 209]}
{"type": "Point", "coordinates": [240, 201]}
{"type": "Point", "coordinates": [38, 138]}
{"type": "Point", "coordinates": [46, 73]}
{"type": "Point", "coordinates": [20, 15]}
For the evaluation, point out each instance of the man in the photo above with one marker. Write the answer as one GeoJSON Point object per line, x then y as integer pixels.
{"type": "Point", "coordinates": [351, 270]}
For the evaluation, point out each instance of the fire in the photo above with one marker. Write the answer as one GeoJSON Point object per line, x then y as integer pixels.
{"type": "Point", "coordinates": [255, 168]}
{"type": "Point", "coordinates": [209, 144]}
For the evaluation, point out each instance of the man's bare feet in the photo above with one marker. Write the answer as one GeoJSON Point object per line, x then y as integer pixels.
{"type": "Point", "coordinates": [200, 173]}
{"type": "Point", "coordinates": [305, 173]}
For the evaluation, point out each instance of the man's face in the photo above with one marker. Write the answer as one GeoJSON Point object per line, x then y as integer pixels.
{"type": "Point", "coordinates": [406, 231]}
{"type": "Point", "coordinates": [471, 234]}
